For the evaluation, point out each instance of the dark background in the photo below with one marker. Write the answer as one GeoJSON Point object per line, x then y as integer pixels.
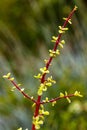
{"type": "Point", "coordinates": [26, 28]}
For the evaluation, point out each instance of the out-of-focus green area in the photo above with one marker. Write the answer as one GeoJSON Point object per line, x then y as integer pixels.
{"type": "Point", "coordinates": [26, 28]}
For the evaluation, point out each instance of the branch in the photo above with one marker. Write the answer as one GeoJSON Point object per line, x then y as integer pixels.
{"type": "Point", "coordinates": [67, 20]}
{"type": "Point", "coordinates": [58, 98]}
{"type": "Point", "coordinates": [67, 96]}
{"type": "Point", "coordinates": [17, 86]}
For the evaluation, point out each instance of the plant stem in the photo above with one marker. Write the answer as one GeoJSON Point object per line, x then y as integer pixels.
{"type": "Point", "coordinates": [36, 110]}
{"type": "Point", "coordinates": [58, 98]}
{"type": "Point", "coordinates": [24, 94]}
{"type": "Point", "coordinates": [38, 102]}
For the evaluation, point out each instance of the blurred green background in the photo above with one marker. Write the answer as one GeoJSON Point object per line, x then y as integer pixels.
{"type": "Point", "coordinates": [26, 28]}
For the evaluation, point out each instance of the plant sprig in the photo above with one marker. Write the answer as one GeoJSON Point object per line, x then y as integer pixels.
{"type": "Point", "coordinates": [45, 83]}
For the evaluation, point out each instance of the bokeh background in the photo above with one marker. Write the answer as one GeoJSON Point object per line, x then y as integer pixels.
{"type": "Point", "coordinates": [26, 28]}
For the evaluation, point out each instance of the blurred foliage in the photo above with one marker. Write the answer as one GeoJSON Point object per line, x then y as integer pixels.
{"type": "Point", "coordinates": [26, 27]}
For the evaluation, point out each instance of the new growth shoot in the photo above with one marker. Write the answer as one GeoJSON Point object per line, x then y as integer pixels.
{"type": "Point", "coordinates": [46, 83]}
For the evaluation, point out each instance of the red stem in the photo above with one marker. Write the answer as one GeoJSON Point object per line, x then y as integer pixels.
{"type": "Point", "coordinates": [24, 94]}
{"type": "Point", "coordinates": [38, 101]}
{"type": "Point", "coordinates": [58, 98]}
{"type": "Point", "coordinates": [36, 110]}
{"type": "Point", "coordinates": [47, 66]}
